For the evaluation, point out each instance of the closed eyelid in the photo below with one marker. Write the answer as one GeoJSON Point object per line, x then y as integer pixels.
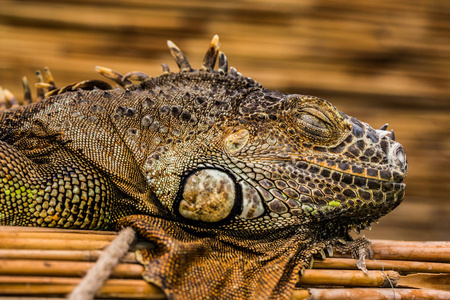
{"type": "Point", "coordinates": [317, 114]}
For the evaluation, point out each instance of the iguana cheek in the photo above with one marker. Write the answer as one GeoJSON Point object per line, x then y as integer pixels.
{"type": "Point", "coordinates": [208, 196]}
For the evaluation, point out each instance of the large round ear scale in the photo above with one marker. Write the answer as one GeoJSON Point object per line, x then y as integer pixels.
{"type": "Point", "coordinates": [209, 61]}
{"type": "Point", "coordinates": [179, 57]}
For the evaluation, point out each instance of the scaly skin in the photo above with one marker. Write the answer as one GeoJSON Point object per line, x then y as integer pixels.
{"type": "Point", "coordinates": [205, 150]}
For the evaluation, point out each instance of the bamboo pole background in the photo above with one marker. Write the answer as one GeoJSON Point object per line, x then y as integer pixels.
{"type": "Point", "coordinates": [29, 269]}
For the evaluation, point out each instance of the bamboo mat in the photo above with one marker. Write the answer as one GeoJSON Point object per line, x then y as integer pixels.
{"type": "Point", "coordinates": [378, 60]}
{"type": "Point", "coordinates": [38, 263]}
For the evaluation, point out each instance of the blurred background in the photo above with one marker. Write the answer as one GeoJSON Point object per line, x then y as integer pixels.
{"type": "Point", "coordinates": [378, 60]}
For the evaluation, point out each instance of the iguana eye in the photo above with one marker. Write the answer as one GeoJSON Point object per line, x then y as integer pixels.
{"type": "Point", "coordinates": [313, 121]}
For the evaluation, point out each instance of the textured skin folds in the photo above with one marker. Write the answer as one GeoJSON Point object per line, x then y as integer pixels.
{"type": "Point", "coordinates": [249, 181]}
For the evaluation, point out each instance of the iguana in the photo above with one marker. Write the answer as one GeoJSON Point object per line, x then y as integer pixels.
{"type": "Point", "coordinates": [237, 185]}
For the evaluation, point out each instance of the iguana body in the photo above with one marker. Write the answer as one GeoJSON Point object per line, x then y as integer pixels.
{"type": "Point", "coordinates": [204, 159]}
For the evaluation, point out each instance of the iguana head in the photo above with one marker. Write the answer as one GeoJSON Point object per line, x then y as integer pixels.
{"type": "Point", "coordinates": [252, 159]}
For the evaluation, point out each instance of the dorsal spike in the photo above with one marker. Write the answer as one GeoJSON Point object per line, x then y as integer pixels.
{"type": "Point", "coordinates": [209, 61]}
{"type": "Point", "coordinates": [65, 88]}
{"type": "Point", "coordinates": [26, 90]}
{"type": "Point", "coordinates": [52, 92]}
{"type": "Point", "coordinates": [223, 62]}
{"type": "Point", "coordinates": [40, 90]}
{"type": "Point", "coordinates": [2, 99]}
{"type": "Point", "coordinates": [113, 75]}
{"type": "Point", "coordinates": [179, 57]}
{"type": "Point", "coordinates": [139, 76]}
{"type": "Point", "coordinates": [43, 85]}
{"type": "Point", "coordinates": [10, 99]}
{"type": "Point", "coordinates": [165, 68]}
{"type": "Point", "coordinates": [92, 84]}
{"type": "Point", "coordinates": [49, 78]}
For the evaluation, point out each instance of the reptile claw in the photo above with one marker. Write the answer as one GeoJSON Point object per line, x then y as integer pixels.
{"type": "Point", "coordinates": [361, 263]}
{"type": "Point", "coordinates": [322, 254]}
{"type": "Point", "coordinates": [330, 251]}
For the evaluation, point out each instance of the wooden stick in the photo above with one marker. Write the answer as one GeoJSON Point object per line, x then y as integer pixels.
{"type": "Point", "coordinates": [349, 278]}
{"type": "Point", "coordinates": [300, 294]}
{"type": "Point", "coordinates": [69, 255]}
{"type": "Point", "coordinates": [397, 265]}
{"type": "Point", "coordinates": [22, 229]}
{"type": "Point", "coordinates": [118, 288]}
{"type": "Point", "coordinates": [426, 281]}
{"type": "Point", "coordinates": [52, 244]}
{"type": "Point", "coordinates": [57, 235]}
{"type": "Point", "coordinates": [63, 268]}
{"type": "Point", "coordinates": [432, 244]}
{"type": "Point", "coordinates": [375, 293]}
{"type": "Point", "coordinates": [420, 251]}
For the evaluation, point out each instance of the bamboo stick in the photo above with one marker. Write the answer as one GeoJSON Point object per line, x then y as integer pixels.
{"type": "Point", "coordinates": [59, 239]}
{"type": "Point", "coordinates": [349, 278]}
{"type": "Point", "coordinates": [56, 276]}
{"type": "Point", "coordinates": [20, 234]}
{"type": "Point", "coordinates": [69, 255]}
{"type": "Point", "coordinates": [426, 281]}
{"type": "Point", "coordinates": [63, 268]}
{"type": "Point", "coordinates": [122, 288]}
{"type": "Point", "coordinates": [430, 244]}
{"type": "Point", "coordinates": [22, 229]}
{"type": "Point", "coordinates": [376, 293]}
{"type": "Point", "coordinates": [52, 244]}
{"type": "Point", "coordinates": [397, 265]}
{"type": "Point", "coordinates": [421, 251]}
{"type": "Point", "coordinates": [300, 294]}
